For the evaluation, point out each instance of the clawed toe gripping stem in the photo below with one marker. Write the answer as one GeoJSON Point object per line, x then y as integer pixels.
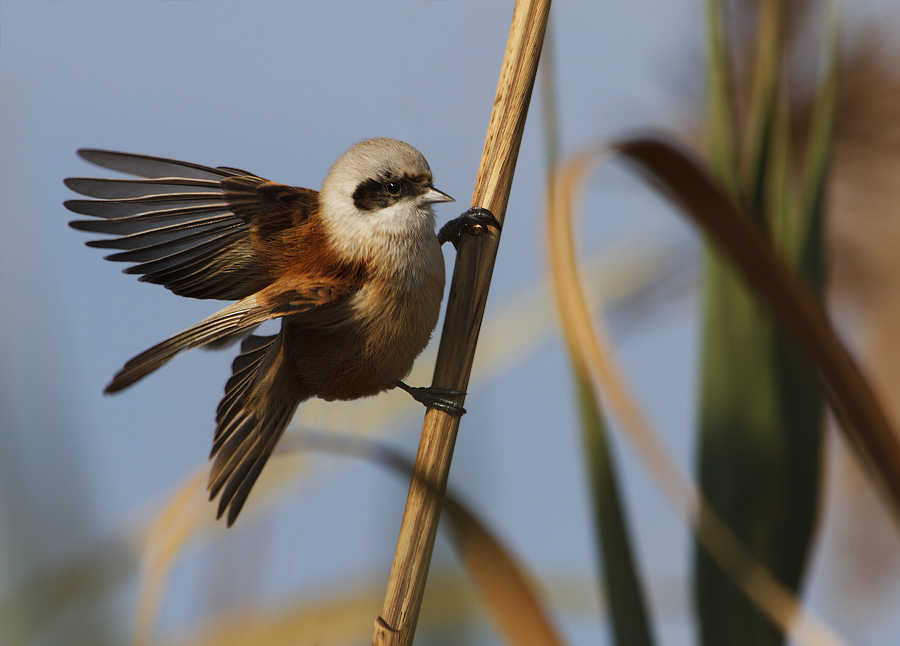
{"type": "Point", "coordinates": [474, 220]}
{"type": "Point", "coordinates": [435, 397]}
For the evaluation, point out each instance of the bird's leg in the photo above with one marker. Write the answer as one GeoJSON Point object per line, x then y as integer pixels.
{"type": "Point", "coordinates": [474, 219]}
{"type": "Point", "coordinates": [434, 397]}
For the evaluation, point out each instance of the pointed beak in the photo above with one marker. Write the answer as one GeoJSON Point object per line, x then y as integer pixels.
{"type": "Point", "coordinates": [432, 196]}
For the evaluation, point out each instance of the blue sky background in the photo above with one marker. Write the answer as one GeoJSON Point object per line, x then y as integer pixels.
{"type": "Point", "coordinates": [282, 89]}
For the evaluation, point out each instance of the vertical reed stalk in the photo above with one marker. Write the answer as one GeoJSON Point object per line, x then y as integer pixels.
{"type": "Point", "coordinates": [465, 308]}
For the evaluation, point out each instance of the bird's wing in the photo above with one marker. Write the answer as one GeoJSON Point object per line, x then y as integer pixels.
{"type": "Point", "coordinates": [313, 296]}
{"type": "Point", "coordinates": [258, 405]}
{"type": "Point", "coordinates": [194, 229]}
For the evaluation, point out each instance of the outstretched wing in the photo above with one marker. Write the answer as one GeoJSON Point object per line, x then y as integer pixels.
{"type": "Point", "coordinates": [201, 232]}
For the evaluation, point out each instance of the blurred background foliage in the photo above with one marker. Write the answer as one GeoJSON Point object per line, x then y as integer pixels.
{"type": "Point", "coordinates": [760, 427]}
{"type": "Point", "coordinates": [798, 118]}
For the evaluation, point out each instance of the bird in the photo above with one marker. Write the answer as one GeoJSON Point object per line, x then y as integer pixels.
{"type": "Point", "coordinates": [354, 272]}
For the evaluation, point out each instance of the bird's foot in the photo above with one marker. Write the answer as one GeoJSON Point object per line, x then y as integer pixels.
{"type": "Point", "coordinates": [435, 397]}
{"type": "Point", "coordinates": [475, 220]}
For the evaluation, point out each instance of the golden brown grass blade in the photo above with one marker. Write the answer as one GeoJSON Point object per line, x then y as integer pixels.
{"type": "Point", "coordinates": [618, 577]}
{"type": "Point", "coordinates": [773, 599]}
{"type": "Point", "coordinates": [501, 582]}
{"type": "Point", "coordinates": [164, 542]}
{"type": "Point", "coordinates": [680, 177]}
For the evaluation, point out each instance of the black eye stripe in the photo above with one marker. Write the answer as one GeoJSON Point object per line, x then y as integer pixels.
{"type": "Point", "coordinates": [371, 195]}
{"type": "Point", "coordinates": [374, 194]}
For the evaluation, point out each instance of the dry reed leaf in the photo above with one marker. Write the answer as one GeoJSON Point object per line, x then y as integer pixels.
{"type": "Point", "coordinates": [168, 533]}
{"type": "Point", "coordinates": [506, 591]}
{"type": "Point", "coordinates": [502, 584]}
{"type": "Point", "coordinates": [685, 182]}
{"type": "Point", "coordinates": [772, 598]}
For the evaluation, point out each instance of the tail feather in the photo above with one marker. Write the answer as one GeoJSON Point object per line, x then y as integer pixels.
{"type": "Point", "coordinates": [259, 401]}
{"type": "Point", "coordinates": [244, 373]}
{"type": "Point", "coordinates": [234, 319]}
{"type": "Point", "coordinates": [250, 465]}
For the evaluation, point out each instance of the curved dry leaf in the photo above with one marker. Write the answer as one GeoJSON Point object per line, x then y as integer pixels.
{"type": "Point", "coordinates": [168, 533]}
{"type": "Point", "coordinates": [592, 348]}
{"type": "Point", "coordinates": [501, 582]}
{"type": "Point", "coordinates": [681, 178]}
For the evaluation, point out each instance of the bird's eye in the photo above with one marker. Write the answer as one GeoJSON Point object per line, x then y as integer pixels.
{"type": "Point", "coordinates": [392, 187]}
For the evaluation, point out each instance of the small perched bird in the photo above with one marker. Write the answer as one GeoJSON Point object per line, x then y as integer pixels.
{"type": "Point", "coordinates": [354, 271]}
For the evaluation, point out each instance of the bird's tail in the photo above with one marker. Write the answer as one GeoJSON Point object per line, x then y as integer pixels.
{"type": "Point", "coordinates": [260, 399]}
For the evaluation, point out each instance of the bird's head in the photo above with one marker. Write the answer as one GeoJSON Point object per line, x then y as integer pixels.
{"type": "Point", "coordinates": [380, 187]}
